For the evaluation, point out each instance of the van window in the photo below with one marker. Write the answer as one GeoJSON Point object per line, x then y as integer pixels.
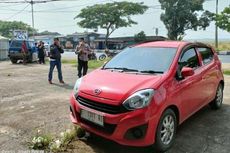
{"type": "Point", "coordinates": [16, 44]}
{"type": "Point", "coordinates": [189, 58]}
{"type": "Point", "coordinates": [206, 54]}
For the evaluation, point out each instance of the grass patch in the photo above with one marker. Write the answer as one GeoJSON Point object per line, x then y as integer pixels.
{"type": "Point", "coordinates": [227, 72]}
{"type": "Point", "coordinates": [222, 46]}
{"type": "Point", "coordinates": [66, 61]}
{"type": "Point", "coordinates": [92, 64]}
{"type": "Point", "coordinates": [50, 143]}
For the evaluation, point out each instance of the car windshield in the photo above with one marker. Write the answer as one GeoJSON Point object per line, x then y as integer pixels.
{"type": "Point", "coordinates": [143, 60]}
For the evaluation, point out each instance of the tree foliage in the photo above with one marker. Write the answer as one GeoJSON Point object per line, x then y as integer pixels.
{"type": "Point", "coordinates": [182, 15]}
{"type": "Point", "coordinates": [110, 16]}
{"type": "Point", "coordinates": [223, 19]}
{"type": "Point", "coordinates": [47, 33]}
{"type": "Point", "coordinates": [7, 27]}
{"type": "Point", "coordinates": [140, 37]}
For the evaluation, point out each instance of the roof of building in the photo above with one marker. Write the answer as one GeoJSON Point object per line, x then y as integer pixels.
{"type": "Point", "coordinates": [3, 38]}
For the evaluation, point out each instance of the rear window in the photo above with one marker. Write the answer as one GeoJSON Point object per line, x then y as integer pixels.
{"type": "Point", "coordinates": [16, 44]}
{"type": "Point", "coordinates": [206, 54]}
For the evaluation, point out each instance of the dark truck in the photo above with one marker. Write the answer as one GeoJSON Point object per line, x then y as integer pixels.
{"type": "Point", "coordinates": [15, 53]}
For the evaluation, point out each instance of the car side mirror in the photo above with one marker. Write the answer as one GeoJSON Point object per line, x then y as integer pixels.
{"type": "Point", "coordinates": [187, 71]}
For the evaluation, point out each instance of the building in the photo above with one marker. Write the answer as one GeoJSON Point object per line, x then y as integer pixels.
{"type": "Point", "coordinates": [118, 43]}
{"type": "Point", "coordinates": [95, 40]}
{"type": "Point", "coordinates": [89, 37]}
{"type": "Point", "coordinates": [47, 39]}
{"type": "Point", "coordinates": [4, 48]}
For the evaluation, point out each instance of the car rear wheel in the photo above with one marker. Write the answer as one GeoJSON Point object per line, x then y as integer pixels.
{"type": "Point", "coordinates": [14, 61]}
{"type": "Point", "coordinates": [166, 131]}
{"type": "Point", "coordinates": [217, 102]}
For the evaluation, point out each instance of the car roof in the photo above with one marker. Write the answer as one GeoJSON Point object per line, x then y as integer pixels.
{"type": "Point", "coordinates": [173, 44]}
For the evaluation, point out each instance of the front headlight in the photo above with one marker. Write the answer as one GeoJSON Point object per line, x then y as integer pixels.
{"type": "Point", "coordinates": [76, 86]}
{"type": "Point", "coordinates": [139, 99]}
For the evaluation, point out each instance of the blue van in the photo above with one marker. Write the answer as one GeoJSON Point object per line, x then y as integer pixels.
{"type": "Point", "coordinates": [15, 53]}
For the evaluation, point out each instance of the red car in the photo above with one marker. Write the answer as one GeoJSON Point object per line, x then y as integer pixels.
{"type": "Point", "coordinates": [141, 95]}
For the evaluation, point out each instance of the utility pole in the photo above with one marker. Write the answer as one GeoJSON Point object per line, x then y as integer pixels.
{"type": "Point", "coordinates": [156, 30]}
{"type": "Point", "coordinates": [216, 31]}
{"type": "Point", "coordinates": [32, 11]}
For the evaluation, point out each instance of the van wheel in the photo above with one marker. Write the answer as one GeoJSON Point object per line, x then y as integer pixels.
{"type": "Point", "coordinates": [14, 61]}
{"type": "Point", "coordinates": [166, 131]}
{"type": "Point", "coordinates": [217, 102]}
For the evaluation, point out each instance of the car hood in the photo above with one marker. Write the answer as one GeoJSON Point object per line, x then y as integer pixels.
{"type": "Point", "coordinates": [116, 86]}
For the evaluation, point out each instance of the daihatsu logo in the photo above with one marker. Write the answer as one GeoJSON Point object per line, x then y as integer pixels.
{"type": "Point", "coordinates": [97, 91]}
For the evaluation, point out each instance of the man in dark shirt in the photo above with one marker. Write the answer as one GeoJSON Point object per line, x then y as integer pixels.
{"type": "Point", "coordinates": [55, 60]}
{"type": "Point", "coordinates": [41, 52]}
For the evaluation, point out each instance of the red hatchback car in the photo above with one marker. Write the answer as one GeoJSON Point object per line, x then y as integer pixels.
{"type": "Point", "coordinates": [142, 94]}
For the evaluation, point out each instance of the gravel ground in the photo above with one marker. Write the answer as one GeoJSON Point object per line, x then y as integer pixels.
{"type": "Point", "coordinates": [29, 103]}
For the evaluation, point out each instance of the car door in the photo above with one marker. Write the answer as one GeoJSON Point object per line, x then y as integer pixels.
{"type": "Point", "coordinates": [191, 89]}
{"type": "Point", "coordinates": [209, 74]}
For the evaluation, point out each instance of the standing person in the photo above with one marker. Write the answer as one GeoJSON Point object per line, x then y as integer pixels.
{"type": "Point", "coordinates": [83, 50]}
{"type": "Point", "coordinates": [55, 60]}
{"type": "Point", "coordinates": [24, 51]}
{"type": "Point", "coordinates": [41, 53]}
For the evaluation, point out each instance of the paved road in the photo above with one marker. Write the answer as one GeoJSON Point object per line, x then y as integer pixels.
{"type": "Point", "coordinates": [225, 58]}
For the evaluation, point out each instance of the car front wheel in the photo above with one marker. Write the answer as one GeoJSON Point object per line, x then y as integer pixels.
{"type": "Point", "coordinates": [217, 102]}
{"type": "Point", "coordinates": [166, 131]}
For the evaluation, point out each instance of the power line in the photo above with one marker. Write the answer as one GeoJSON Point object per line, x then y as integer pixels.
{"type": "Point", "coordinates": [17, 13]}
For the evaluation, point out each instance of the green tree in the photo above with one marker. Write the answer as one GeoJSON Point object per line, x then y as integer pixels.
{"type": "Point", "coordinates": [110, 16]}
{"type": "Point", "coordinates": [7, 27]}
{"type": "Point", "coordinates": [140, 37]}
{"type": "Point", "coordinates": [182, 15]}
{"type": "Point", "coordinates": [223, 19]}
{"type": "Point", "coordinates": [47, 33]}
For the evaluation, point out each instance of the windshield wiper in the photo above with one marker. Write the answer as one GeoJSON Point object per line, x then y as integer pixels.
{"type": "Point", "coordinates": [151, 71]}
{"type": "Point", "coordinates": [124, 69]}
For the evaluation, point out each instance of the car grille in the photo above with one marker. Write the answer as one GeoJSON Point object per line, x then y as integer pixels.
{"type": "Point", "coordinates": [107, 128]}
{"type": "Point", "coordinates": [106, 108]}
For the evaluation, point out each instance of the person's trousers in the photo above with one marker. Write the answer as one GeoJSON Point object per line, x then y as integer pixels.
{"type": "Point", "coordinates": [56, 63]}
{"type": "Point", "coordinates": [41, 60]}
{"type": "Point", "coordinates": [82, 65]}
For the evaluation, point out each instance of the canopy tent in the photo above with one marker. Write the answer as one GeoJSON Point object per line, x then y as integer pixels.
{"type": "Point", "coordinates": [4, 47]}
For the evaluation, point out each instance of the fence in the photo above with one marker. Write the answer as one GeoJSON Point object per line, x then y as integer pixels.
{"type": "Point", "coordinates": [4, 47]}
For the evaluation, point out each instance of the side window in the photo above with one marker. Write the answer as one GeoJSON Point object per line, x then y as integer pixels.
{"type": "Point", "coordinates": [206, 54]}
{"type": "Point", "coordinates": [189, 58]}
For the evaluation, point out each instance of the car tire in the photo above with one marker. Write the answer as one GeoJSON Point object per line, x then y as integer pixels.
{"type": "Point", "coordinates": [30, 58]}
{"type": "Point", "coordinates": [13, 61]}
{"type": "Point", "coordinates": [102, 57]}
{"type": "Point", "coordinates": [217, 102]}
{"type": "Point", "coordinates": [166, 131]}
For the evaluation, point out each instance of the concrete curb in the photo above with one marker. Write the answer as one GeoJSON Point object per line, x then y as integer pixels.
{"type": "Point", "coordinates": [223, 53]}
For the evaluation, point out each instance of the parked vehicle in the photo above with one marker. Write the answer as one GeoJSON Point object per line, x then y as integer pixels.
{"type": "Point", "coordinates": [15, 53]}
{"type": "Point", "coordinates": [141, 95]}
{"type": "Point", "coordinates": [100, 54]}
{"type": "Point", "coordinates": [111, 53]}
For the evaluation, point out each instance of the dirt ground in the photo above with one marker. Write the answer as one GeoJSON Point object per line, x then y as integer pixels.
{"type": "Point", "coordinates": [29, 103]}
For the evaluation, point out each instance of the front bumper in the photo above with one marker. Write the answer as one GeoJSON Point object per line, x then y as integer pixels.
{"type": "Point", "coordinates": [117, 127]}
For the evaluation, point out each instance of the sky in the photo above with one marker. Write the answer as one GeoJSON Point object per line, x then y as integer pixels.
{"type": "Point", "coordinates": [59, 17]}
